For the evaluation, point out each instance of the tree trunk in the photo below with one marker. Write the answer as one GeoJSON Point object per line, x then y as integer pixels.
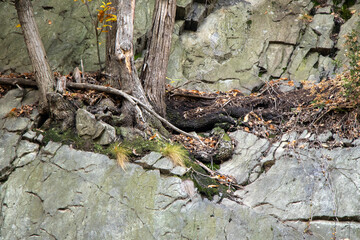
{"type": "Point", "coordinates": [111, 63]}
{"type": "Point", "coordinates": [124, 54]}
{"type": "Point", "coordinates": [154, 70]}
{"type": "Point", "coordinates": [37, 54]}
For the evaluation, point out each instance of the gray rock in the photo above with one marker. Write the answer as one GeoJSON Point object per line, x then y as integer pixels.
{"type": "Point", "coordinates": [48, 198]}
{"type": "Point", "coordinates": [108, 136]}
{"type": "Point", "coordinates": [179, 171]}
{"type": "Point", "coordinates": [11, 100]}
{"type": "Point", "coordinates": [25, 147]}
{"type": "Point", "coordinates": [24, 160]}
{"type": "Point", "coordinates": [8, 143]}
{"type": "Point", "coordinates": [29, 135]}
{"type": "Point", "coordinates": [58, 22]}
{"type": "Point", "coordinates": [16, 124]}
{"type": "Point", "coordinates": [51, 148]}
{"type": "Point", "coordinates": [247, 155]}
{"type": "Point", "coordinates": [39, 138]}
{"type": "Point", "coordinates": [324, 10]}
{"type": "Point", "coordinates": [31, 97]}
{"type": "Point", "coordinates": [165, 165]}
{"type": "Point", "coordinates": [323, 26]}
{"type": "Point", "coordinates": [150, 159]}
{"type": "Point", "coordinates": [325, 136]}
{"type": "Point", "coordinates": [87, 125]}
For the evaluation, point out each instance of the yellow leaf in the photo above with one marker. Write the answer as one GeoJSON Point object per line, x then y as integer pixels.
{"type": "Point", "coordinates": [246, 118]}
{"type": "Point", "coordinates": [153, 136]}
{"type": "Point", "coordinates": [19, 25]}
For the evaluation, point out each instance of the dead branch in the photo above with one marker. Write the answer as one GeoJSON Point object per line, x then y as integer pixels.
{"type": "Point", "coordinates": [19, 81]}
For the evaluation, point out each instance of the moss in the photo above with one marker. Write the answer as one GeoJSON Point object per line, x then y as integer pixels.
{"type": "Point", "coordinates": [141, 146]}
{"type": "Point", "coordinates": [202, 180]}
{"type": "Point", "coordinates": [69, 136]}
{"type": "Point", "coordinates": [248, 23]}
{"type": "Point", "coordinates": [344, 11]}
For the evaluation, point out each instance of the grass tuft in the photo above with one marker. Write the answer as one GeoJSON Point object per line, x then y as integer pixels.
{"type": "Point", "coordinates": [175, 152]}
{"type": "Point", "coordinates": [122, 155]}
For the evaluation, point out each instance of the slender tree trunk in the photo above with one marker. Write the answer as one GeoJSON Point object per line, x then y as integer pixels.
{"type": "Point", "coordinates": [35, 47]}
{"type": "Point", "coordinates": [153, 74]}
{"type": "Point", "coordinates": [124, 54]}
{"type": "Point", "coordinates": [111, 63]}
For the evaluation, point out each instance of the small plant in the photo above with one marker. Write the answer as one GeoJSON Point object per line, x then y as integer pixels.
{"type": "Point", "coordinates": [175, 152]}
{"type": "Point", "coordinates": [121, 153]}
{"type": "Point", "coordinates": [352, 78]}
{"type": "Point", "coordinates": [105, 15]}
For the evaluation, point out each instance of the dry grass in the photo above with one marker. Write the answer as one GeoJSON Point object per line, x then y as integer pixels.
{"type": "Point", "coordinates": [122, 155]}
{"type": "Point", "coordinates": [176, 153]}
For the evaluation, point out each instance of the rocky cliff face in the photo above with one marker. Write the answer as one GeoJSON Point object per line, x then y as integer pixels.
{"type": "Point", "coordinates": [291, 191]}
{"type": "Point", "coordinates": [240, 44]}
{"type": "Point", "coordinates": [245, 43]}
{"type": "Point", "coordinates": [67, 33]}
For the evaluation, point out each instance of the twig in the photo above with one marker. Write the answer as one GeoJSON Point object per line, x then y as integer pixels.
{"type": "Point", "coordinates": [212, 173]}
{"type": "Point", "coordinates": [82, 69]}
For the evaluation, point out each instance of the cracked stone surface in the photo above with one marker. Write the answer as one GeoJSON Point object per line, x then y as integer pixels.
{"type": "Point", "coordinates": [247, 155]}
{"type": "Point", "coordinates": [83, 195]}
{"type": "Point", "coordinates": [313, 190]}
{"type": "Point", "coordinates": [56, 192]}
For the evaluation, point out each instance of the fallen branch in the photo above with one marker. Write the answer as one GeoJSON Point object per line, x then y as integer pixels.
{"type": "Point", "coordinates": [18, 81]}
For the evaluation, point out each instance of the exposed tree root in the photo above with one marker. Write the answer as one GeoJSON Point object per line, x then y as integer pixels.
{"type": "Point", "coordinates": [110, 90]}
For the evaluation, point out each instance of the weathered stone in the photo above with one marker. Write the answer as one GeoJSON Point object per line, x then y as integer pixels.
{"type": "Point", "coordinates": [325, 136]}
{"type": "Point", "coordinates": [183, 8]}
{"type": "Point", "coordinates": [247, 155]}
{"type": "Point", "coordinates": [315, 177]}
{"type": "Point", "coordinates": [25, 147]}
{"type": "Point", "coordinates": [303, 71]}
{"type": "Point", "coordinates": [165, 165]}
{"type": "Point", "coordinates": [29, 135]}
{"type": "Point", "coordinates": [108, 136]}
{"type": "Point", "coordinates": [276, 58]}
{"type": "Point", "coordinates": [16, 124]}
{"type": "Point", "coordinates": [196, 16]}
{"type": "Point", "coordinates": [323, 26]}
{"type": "Point", "coordinates": [11, 100]}
{"type": "Point", "coordinates": [309, 39]}
{"type": "Point", "coordinates": [58, 21]}
{"type": "Point", "coordinates": [39, 138]}
{"type": "Point", "coordinates": [51, 148]}
{"type": "Point", "coordinates": [87, 125]}
{"type": "Point", "coordinates": [130, 133]}
{"type": "Point", "coordinates": [134, 204]}
{"type": "Point", "coordinates": [8, 143]}
{"type": "Point", "coordinates": [324, 10]}
{"type": "Point", "coordinates": [26, 159]}
{"type": "Point", "coordinates": [179, 171]}
{"type": "Point", "coordinates": [150, 159]}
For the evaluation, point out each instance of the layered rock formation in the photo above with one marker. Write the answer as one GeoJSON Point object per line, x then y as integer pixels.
{"type": "Point", "coordinates": [291, 191]}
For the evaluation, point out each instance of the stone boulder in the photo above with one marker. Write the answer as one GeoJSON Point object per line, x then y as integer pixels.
{"type": "Point", "coordinates": [88, 127]}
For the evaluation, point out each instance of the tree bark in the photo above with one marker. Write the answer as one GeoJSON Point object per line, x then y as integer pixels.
{"type": "Point", "coordinates": [111, 64]}
{"type": "Point", "coordinates": [124, 54]}
{"type": "Point", "coordinates": [154, 70]}
{"type": "Point", "coordinates": [35, 47]}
